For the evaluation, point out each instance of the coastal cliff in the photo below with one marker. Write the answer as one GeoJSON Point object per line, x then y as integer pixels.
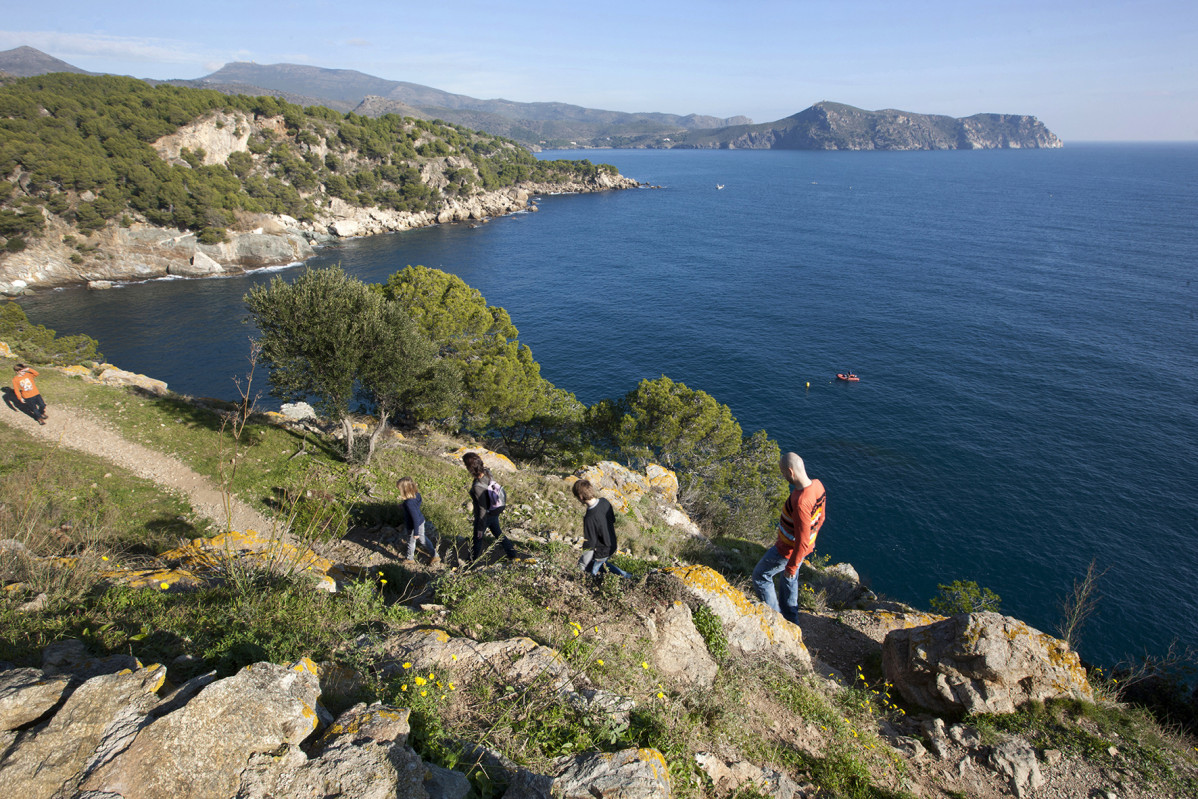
{"type": "Point", "coordinates": [101, 183]}
{"type": "Point", "coordinates": [143, 252]}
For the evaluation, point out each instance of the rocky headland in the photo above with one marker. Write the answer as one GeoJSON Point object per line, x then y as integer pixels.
{"type": "Point", "coordinates": [835, 126]}
{"type": "Point", "coordinates": [133, 249]}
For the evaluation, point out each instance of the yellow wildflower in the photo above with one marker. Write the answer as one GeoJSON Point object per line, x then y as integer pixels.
{"type": "Point", "coordinates": [407, 665]}
{"type": "Point", "coordinates": [421, 681]}
{"type": "Point", "coordinates": [165, 586]}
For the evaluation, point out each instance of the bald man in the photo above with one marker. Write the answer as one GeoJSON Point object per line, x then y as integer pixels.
{"type": "Point", "coordinates": [802, 516]}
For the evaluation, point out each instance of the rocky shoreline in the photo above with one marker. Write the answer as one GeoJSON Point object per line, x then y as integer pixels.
{"type": "Point", "coordinates": [144, 252]}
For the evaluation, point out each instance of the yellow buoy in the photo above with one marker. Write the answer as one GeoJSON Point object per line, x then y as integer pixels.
{"type": "Point", "coordinates": [808, 384]}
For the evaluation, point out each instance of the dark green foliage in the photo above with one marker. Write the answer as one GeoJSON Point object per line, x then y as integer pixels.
{"type": "Point", "coordinates": [69, 134]}
{"type": "Point", "coordinates": [728, 482]}
{"type": "Point", "coordinates": [37, 344]}
{"type": "Point", "coordinates": [501, 388]}
{"type": "Point", "coordinates": [329, 337]}
{"type": "Point", "coordinates": [964, 596]}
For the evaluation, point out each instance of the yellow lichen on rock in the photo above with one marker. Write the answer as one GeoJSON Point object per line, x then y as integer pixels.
{"type": "Point", "coordinates": [661, 769]}
{"type": "Point", "coordinates": [76, 371]}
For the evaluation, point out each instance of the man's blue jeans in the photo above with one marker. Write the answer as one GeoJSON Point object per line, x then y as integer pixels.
{"type": "Point", "coordinates": [771, 563]}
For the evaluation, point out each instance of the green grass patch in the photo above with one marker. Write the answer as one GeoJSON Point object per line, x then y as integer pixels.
{"type": "Point", "coordinates": [1090, 730]}
{"type": "Point", "coordinates": [228, 627]}
{"type": "Point", "coordinates": [56, 500]}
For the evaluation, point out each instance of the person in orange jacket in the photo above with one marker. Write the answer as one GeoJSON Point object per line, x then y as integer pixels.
{"type": "Point", "coordinates": [802, 516]}
{"type": "Point", "coordinates": [27, 393]}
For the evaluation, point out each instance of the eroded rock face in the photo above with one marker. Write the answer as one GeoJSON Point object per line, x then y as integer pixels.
{"type": "Point", "coordinates": [981, 663]}
{"type": "Point", "coordinates": [200, 749]}
{"type": "Point", "coordinates": [50, 760]}
{"type": "Point", "coordinates": [27, 694]}
{"type": "Point", "coordinates": [631, 773]}
{"type": "Point", "coordinates": [520, 660]}
{"type": "Point", "coordinates": [679, 651]}
{"type": "Point", "coordinates": [750, 625]}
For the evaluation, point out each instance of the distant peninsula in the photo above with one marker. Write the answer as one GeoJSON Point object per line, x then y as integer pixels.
{"type": "Point", "coordinates": [555, 126]}
{"type": "Point", "coordinates": [835, 126]}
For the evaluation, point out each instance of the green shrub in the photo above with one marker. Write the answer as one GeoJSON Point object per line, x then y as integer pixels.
{"type": "Point", "coordinates": [37, 344]}
{"type": "Point", "coordinates": [965, 596]}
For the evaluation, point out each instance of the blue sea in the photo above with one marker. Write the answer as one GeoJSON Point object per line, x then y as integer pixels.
{"type": "Point", "coordinates": [1023, 323]}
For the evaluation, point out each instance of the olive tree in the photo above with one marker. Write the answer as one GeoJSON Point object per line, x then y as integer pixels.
{"type": "Point", "coordinates": [330, 337]}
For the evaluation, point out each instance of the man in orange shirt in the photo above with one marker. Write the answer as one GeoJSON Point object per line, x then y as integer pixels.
{"type": "Point", "coordinates": [802, 516]}
{"type": "Point", "coordinates": [27, 392]}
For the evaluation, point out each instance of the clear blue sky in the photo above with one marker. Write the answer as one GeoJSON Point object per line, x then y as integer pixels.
{"type": "Point", "coordinates": [1099, 70]}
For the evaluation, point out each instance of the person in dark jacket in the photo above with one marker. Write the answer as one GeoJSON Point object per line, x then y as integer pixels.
{"type": "Point", "coordinates": [599, 531]}
{"type": "Point", "coordinates": [415, 521]}
{"type": "Point", "coordinates": [485, 517]}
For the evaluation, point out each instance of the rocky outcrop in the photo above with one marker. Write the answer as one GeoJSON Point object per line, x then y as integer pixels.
{"type": "Point", "coordinates": [623, 487]}
{"type": "Point", "coordinates": [201, 265]}
{"type": "Point", "coordinates": [981, 663]}
{"type": "Point", "coordinates": [52, 758]}
{"type": "Point", "coordinates": [640, 773]}
{"type": "Point", "coordinates": [259, 733]}
{"type": "Point", "coordinates": [750, 626]}
{"type": "Point", "coordinates": [144, 252]}
{"type": "Point", "coordinates": [495, 461]}
{"type": "Point", "coordinates": [679, 652]}
{"type": "Point", "coordinates": [112, 376]}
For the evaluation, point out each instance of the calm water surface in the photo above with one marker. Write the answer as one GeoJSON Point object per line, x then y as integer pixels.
{"type": "Point", "coordinates": [1023, 324]}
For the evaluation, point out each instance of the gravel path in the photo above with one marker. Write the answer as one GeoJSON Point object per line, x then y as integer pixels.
{"type": "Point", "coordinates": [75, 429]}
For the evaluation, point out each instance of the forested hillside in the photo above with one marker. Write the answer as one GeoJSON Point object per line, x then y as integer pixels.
{"type": "Point", "coordinates": [93, 150]}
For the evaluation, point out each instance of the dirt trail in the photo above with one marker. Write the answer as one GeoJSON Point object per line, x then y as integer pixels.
{"type": "Point", "coordinates": [75, 429]}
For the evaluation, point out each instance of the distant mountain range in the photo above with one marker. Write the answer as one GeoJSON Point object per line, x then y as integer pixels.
{"type": "Point", "coordinates": [823, 126]}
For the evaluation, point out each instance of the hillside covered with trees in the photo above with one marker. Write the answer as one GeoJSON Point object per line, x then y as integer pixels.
{"type": "Point", "coordinates": [89, 151]}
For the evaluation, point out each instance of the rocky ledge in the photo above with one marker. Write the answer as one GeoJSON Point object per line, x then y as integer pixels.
{"type": "Point", "coordinates": [144, 252]}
